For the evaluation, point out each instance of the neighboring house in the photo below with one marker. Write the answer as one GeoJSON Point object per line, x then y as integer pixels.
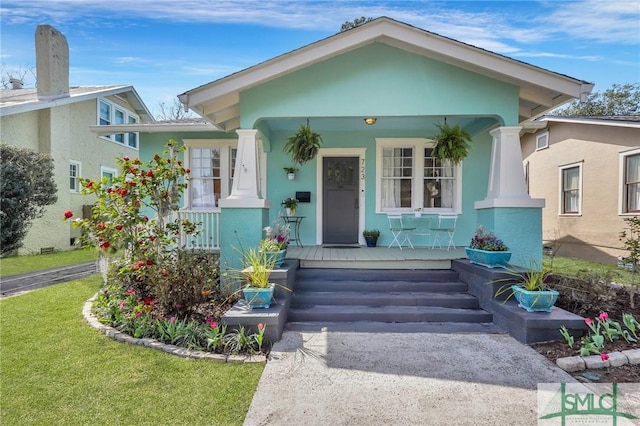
{"type": "Point", "coordinates": [55, 119]}
{"type": "Point", "coordinates": [588, 171]}
{"type": "Point", "coordinates": [407, 79]}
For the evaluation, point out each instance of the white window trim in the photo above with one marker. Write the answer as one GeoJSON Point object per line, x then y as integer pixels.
{"type": "Point", "coordinates": [540, 136]}
{"type": "Point", "coordinates": [127, 114]}
{"type": "Point", "coordinates": [561, 188]}
{"type": "Point", "coordinates": [224, 165]}
{"type": "Point", "coordinates": [621, 178]}
{"type": "Point", "coordinates": [78, 176]}
{"type": "Point", "coordinates": [418, 145]}
{"type": "Point", "coordinates": [105, 169]}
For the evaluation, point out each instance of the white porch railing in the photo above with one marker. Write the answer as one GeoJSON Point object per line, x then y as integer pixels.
{"type": "Point", "coordinates": [208, 222]}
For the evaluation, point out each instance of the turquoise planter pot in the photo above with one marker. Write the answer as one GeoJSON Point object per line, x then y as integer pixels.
{"type": "Point", "coordinates": [535, 301]}
{"type": "Point", "coordinates": [277, 256]}
{"type": "Point", "coordinates": [258, 297]}
{"type": "Point", "coordinates": [489, 259]}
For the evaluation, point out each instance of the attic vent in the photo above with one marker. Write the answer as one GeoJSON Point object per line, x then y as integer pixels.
{"type": "Point", "coordinates": [16, 83]}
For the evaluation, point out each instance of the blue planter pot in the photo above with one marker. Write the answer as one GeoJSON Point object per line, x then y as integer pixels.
{"type": "Point", "coordinates": [277, 256]}
{"type": "Point", "coordinates": [490, 259]}
{"type": "Point", "coordinates": [258, 297]}
{"type": "Point", "coordinates": [535, 301]}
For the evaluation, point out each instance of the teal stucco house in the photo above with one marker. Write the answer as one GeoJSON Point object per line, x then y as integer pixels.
{"type": "Point", "coordinates": [405, 80]}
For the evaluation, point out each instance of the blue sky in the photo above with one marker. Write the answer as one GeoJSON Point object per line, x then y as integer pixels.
{"type": "Point", "coordinates": [164, 48]}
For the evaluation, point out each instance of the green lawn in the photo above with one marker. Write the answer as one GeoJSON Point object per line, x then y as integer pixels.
{"type": "Point", "coordinates": [36, 262]}
{"type": "Point", "coordinates": [571, 266]}
{"type": "Point", "coordinates": [56, 369]}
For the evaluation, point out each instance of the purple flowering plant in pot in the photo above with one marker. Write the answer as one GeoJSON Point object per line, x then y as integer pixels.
{"type": "Point", "coordinates": [488, 250]}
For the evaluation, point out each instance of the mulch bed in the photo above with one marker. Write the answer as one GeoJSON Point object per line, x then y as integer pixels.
{"type": "Point", "coordinates": [618, 302]}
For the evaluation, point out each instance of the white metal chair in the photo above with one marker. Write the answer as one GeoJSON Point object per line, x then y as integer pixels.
{"type": "Point", "coordinates": [446, 228]}
{"type": "Point", "coordinates": [399, 230]}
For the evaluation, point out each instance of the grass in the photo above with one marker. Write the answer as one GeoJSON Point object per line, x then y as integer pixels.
{"type": "Point", "coordinates": [37, 262]}
{"type": "Point", "coordinates": [56, 369]}
{"type": "Point", "coordinates": [571, 266]}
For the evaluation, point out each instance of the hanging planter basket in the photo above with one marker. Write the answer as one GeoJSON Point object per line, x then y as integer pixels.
{"type": "Point", "coordinates": [304, 145]}
{"type": "Point", "coordinates": [451, 143]}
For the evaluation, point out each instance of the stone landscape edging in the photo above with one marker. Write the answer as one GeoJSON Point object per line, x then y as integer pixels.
{"type": "Point", "coordinates": [572, 364]}
{"type": "Point", "coordinates": [119, 336]}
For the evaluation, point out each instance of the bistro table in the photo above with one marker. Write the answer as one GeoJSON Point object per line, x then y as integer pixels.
{"type": "Point", "coordinates": [294, 222]}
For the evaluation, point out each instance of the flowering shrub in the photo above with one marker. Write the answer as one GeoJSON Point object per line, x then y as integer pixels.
{"type": "Point", "coordinates": [483, 240]}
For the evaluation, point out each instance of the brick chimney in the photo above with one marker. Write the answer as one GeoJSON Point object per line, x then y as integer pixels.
{"type": "Point", "coordinates": [52, 63]}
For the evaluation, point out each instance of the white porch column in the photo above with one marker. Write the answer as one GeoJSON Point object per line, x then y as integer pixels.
{"type": "Point", "coordinates": [245, 191]}
{"type": "Point", "coordinates": [507, 187]}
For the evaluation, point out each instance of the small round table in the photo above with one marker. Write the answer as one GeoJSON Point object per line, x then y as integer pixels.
{"type": "Point", "coordinates": [294, 222]}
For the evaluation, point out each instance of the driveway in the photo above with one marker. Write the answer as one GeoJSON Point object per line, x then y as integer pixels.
{"type": "Point", "coordinates": [341, 378]}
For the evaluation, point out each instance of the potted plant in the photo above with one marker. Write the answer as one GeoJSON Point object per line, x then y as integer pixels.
{"type": "Point", "coordinates": [257, 290]}
{"type": "Point", "coordinates": [487, 250]}
{"type": "Point", "coordinates": [291, 172]}
{"type": "Point", "coordinates": [371, 237]}
{"type": "Point", "coordinates": [291, 204]}
{"type": "Point", "coordinates": [530, 289]}
{"type": "Point", "coordinates": [276, 242]}
{"type": "Point", "coordinates": [304, 145]}
{"type": "Point", "coordinates": [451, 143]}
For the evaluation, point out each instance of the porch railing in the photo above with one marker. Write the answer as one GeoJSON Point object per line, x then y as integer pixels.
{"type": "Point", "coordinates": [208, 222]}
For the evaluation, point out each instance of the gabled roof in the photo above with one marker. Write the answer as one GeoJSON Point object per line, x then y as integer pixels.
{"type": "Point", "coordinates": [541, 90]}
{"type": "Point", "coordinates": [15, 101]}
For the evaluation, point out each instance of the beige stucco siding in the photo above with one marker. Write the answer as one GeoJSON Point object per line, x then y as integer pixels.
{"type": "Point", "coordinates": [63, 132]}
{"type": "Point", "coordinates": [594, 232]}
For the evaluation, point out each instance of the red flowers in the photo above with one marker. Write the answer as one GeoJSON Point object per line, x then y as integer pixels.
{"type": "Point", "coordinates": [150, 173]}
{"type": "Point", "coordinates": [119, 227]}
{"type": "Point", "coordinates": [130, 291]}
{"type": "Point", "coordinates": [105, 245]}
{"type": "Point", "coordinates": [603, 316]}
{"type": "Point", "coordinates": [604, 357]}
{"type": "Point", "coordinates": [68, 214]}
{"type": "Point", "coordinates": [125, 158]}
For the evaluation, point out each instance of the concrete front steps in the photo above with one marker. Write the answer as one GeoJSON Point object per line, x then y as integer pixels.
{"type": "Point", "coordinates": [385, 301]}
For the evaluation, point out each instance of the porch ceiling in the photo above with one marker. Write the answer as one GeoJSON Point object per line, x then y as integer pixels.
{"type": "Point", "coordinates": [540, 90]}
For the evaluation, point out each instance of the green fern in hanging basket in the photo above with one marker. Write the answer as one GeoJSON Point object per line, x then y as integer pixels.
{"type": "Point", "coordinates": [304, 145]}
{"type": "Point", "coordinates": [451, 143]}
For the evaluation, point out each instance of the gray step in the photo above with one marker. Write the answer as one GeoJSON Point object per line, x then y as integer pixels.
{"type": "Point", "coordinates": [376, 275]}
{"type": "Point", "coordinates": [397, 327]}
{"type": "Point", "coordinates": [449, 300]}
{"type": "Point", "coordinates": [348, 313]}
{"type": "Point", "coordinates": [307, 284]}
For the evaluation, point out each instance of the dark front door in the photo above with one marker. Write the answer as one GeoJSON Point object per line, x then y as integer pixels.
{"type": "Point", "coordinates": [340, 200]}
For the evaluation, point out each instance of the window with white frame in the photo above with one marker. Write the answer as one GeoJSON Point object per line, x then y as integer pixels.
{"type": "Point", "coordinates": [109, 173]}
{"type": "Point", "coordinates": [212, 164]}
{"type": "Point", "coordinates": [571, 189]}
{"type": "Point", "coordinates": [111, 113]}
{"type": "Point", "coordinates": [74, 175]}
{"type": "Point", "coordinates": [542, 141]}
{"type": "Point", "coordinates": [408, 177]}
{"type": "Point", "coordinates": [630, 163]}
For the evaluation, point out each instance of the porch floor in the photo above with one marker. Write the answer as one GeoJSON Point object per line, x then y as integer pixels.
{"type": "Point", "coordinates": [364, 257]}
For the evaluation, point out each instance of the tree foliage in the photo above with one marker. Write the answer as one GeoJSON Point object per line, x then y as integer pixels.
{"type": "Point", "coordinates": [27, 186]}
{"type": "Point", "coordinates": [355, 23]}
{"type": "Point", "coordinates": [619, 100]}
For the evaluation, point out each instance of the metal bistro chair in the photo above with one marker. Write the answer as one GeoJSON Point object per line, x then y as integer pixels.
{"type": "Point", "coordinates": [399, 230]}
{"type": "Point", "coordinates": [447, 228]}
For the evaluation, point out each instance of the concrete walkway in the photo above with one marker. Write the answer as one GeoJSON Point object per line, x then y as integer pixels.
{"type": "Point", "coordinates": [341, 378]}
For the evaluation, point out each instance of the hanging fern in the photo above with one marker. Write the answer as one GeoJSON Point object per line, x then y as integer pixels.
{"type": "Point", "coordinates": [451, 143]}
{"type": "Point", "coordinates": [304, 145]}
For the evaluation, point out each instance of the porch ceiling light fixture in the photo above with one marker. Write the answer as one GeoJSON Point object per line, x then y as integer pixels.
{"type": "Point", "coordinates": [370, 120]}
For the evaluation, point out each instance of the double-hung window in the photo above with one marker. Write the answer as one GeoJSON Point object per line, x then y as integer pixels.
{"type": "Point", "coordinates": [212, 164]}
{"type": "Point", "coordinates": [571, 189]}
{"type": "Point", "coordinates": [74, 175]}
{"type": "Point", "coordinates": [408, 178]}
{"type": "Point", "coordinates": [112, 113]}
{"type": "Point", "coordinates": [630, 185]}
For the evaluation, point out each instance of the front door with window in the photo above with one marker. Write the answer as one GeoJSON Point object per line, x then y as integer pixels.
{"type": "Point", "coordinates": [340, 200]}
